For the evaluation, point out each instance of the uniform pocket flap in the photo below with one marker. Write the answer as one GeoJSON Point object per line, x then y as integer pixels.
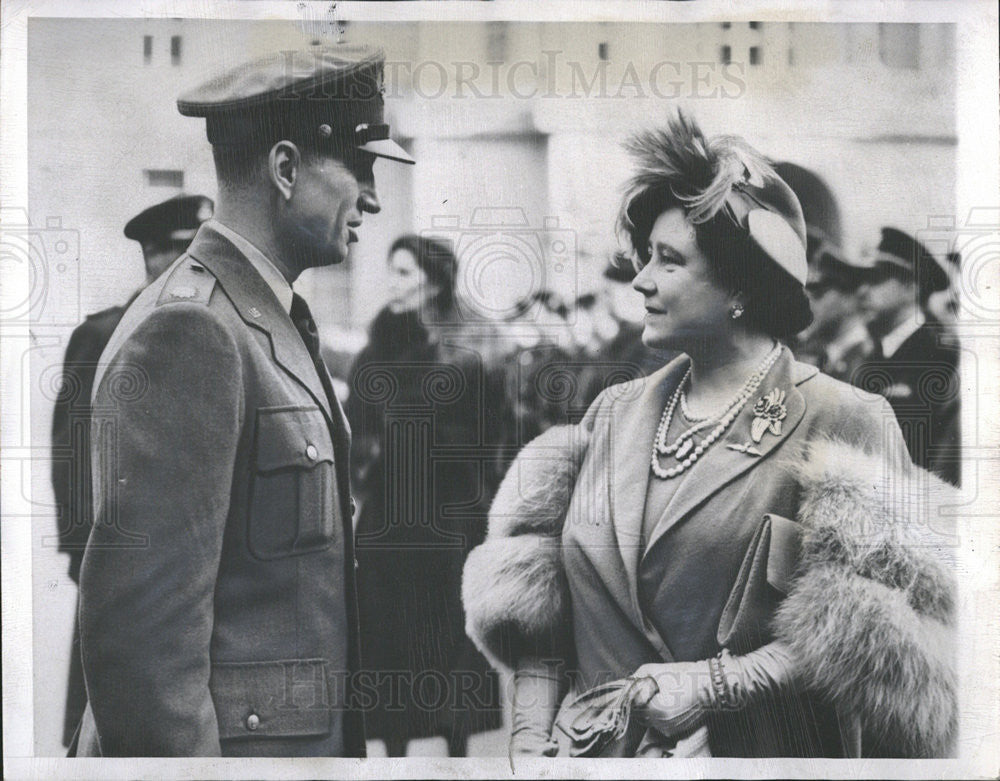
{"type": "Point", "coordinates": [784, 552]}
{"type": "Point", "coordinates": [271, 699]}
{"type": "Point", "coordinates": [291, 437]}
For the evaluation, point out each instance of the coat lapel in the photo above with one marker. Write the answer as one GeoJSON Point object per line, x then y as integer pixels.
{"type": "Point", "coordinates": [633, 434]}
{"type": "Point", "coordinates": [737, 451]}
{"type": "Point", "coordinates": [260, 309]}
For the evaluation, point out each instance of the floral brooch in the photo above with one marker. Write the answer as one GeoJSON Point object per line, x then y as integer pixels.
{"type": "Point", "coordinates": [768, 413]}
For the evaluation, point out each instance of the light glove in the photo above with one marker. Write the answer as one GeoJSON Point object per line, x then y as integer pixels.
{"type": "Point", "coordinates": [685, 691]}
{"type": "Point", "coordinates": [535, 702]}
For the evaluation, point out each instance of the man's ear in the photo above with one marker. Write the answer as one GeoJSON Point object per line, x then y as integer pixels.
{"type": "Point", "coordinates": [283, 167]}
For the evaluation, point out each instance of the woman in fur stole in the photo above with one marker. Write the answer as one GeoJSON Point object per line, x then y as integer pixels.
{"type": "Point", "coordinates": [416, 407]}
{"type": "Point", "coordinates": [733, 556]}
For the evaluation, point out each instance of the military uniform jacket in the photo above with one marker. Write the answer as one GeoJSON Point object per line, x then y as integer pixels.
{"type": "Point", "coordinates": [217, 597]}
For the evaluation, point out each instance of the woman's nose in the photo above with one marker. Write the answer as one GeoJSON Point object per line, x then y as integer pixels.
{"type": "Point", "coordinates": [641, 282]}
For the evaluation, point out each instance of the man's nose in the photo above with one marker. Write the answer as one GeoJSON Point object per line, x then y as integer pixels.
{"type": "Point", "coordinates": [368, 200]}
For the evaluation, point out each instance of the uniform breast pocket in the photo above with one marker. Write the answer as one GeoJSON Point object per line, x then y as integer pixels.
{"type": "Point", "coordinates": [293, 493]}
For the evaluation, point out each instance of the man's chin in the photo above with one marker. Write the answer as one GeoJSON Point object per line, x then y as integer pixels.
{"type": "Point", "coordinates": [331, 257]}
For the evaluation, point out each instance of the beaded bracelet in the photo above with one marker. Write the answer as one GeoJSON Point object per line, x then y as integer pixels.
{"type": "Point", "coordinates": [723, 694]}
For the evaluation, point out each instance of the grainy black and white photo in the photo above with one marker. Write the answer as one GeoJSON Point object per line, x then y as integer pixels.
{"type": "Point", "coordinates": [466, 389]}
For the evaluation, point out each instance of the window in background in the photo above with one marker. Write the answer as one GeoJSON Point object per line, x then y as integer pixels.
{"type": "Point", "coordinates": [147, 49]}
{"type": "Point", "coordinates": [175, 50]}
{"type": "Point", "coordinates": [496, 41]}
{"type": "Point", "coordinates": [161, 177]}
{"type": "Point", "coordinates": [899, 45]}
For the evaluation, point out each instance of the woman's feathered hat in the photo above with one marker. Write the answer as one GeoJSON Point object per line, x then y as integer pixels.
{"type": "Point", "coordinates": [724, 174]}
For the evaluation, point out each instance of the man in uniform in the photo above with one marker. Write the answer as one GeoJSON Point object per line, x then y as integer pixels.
{"type": "Point", "coordinates": [217, 612]}
{"type": "Point", "coordinates": [914, 362]}
{"type": "Point", "coordinates": [164, 232]}
{"type": "Point", "coordinates": [837, 341]}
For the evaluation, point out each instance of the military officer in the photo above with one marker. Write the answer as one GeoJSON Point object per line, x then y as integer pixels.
{"type": "Point", "coordinates": [217, 611]}
{"type": "Point", "coordinates": [837, 341]}
{"type": "Point", "coordinates": [914, 362]}
{"type": "Point", "coordinates": [164, 232]}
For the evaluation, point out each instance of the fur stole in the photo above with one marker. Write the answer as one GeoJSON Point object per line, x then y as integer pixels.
{"type": "Point", "coordinates": [514, 589]}
{"type": "Point", "coordinates": [869, 617]}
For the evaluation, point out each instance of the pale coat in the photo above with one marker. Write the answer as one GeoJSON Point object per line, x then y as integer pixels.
{"type": "Point", "coordinates": [869, 616]}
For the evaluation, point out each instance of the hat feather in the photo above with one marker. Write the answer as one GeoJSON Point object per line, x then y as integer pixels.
{"type": "Point", "coordinates": [699, 172]}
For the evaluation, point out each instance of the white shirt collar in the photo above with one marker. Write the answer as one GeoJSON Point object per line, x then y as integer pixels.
{"type": "Point", "coordinates": [893, 340]}
{"type": "Point", "coordinates": [274, 278]}
{"type": "Point", "coordinates": [853, 336]}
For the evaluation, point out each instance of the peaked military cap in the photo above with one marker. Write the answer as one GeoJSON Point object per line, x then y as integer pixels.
{"type": "Point", "coordinates": [900, 251]}
{"type": "Point", "coordinates": [325, 97]}
{"type": "Point", "coordinates": [176, 219]}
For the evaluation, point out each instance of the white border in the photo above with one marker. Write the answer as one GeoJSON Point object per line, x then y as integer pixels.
{"type": "Point", "coordinates": [978, 177]}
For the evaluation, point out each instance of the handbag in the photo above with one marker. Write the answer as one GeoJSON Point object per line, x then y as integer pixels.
{"type": "Point", "coordinates": [601, 715]}
{"type": "Point", "coordinates": [763, 581]}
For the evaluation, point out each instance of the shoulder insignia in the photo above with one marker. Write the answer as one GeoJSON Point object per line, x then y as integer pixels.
{"type": "Point", "coordinates": [189, 281]}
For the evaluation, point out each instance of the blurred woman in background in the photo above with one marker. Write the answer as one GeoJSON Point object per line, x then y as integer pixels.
{"type": "Point", "coordinates": [424, 474]}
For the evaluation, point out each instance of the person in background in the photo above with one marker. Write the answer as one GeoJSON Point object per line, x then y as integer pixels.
{"type": "Point", "coordinates": [540, 381]}
{"type": "Point", "coordinates": [619, 354]}
{"type": "Point", "coordinates": [164, 232]}
{"type": "Point", "coordinates": [915, 360]}
{"type": "Point", "coordinates": [426, 416]}
{"type": "Point", "coordinates": [837, 342]}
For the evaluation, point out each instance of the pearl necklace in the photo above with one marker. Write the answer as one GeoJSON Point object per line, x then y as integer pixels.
{"type": "Point", "coordinates": [687, 413]}
{"type": "Point", "coordinates": [682, 446]}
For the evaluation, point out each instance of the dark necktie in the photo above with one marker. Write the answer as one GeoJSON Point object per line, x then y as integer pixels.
{"type": "Point", "coordinates": [306, 326]}
{"type": "Point", "coordinates": [303, 320]}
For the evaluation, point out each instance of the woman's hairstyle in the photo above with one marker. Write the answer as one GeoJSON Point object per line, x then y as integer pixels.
{"type": "Point", "coordinates": [678, 167]}
{"type": "Point", "coordinates": [437, 260]}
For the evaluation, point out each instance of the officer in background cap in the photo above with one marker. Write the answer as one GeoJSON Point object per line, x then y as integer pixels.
{"type": "Point", "coordinates": [914, 363]}
{"type": "Point", "coordinates": [164, 232]}
{"type": "Point", "coordinates": [232, 628]}
{"type": "Point", "coordinates": [837, 341]}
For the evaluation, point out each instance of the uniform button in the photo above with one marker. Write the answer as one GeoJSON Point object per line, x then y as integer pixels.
{"type": "Point", "coordinates": [356, 565]}
{"type": "Point", "coordinates": [354, 506]}
{"type": "Point", "coordinates": [253, 721]}
{"type": "Point", "coordinates": [311, 452]}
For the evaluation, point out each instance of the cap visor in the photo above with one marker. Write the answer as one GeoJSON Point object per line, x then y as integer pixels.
{"type": "Point", "coordinates": [389, 149]}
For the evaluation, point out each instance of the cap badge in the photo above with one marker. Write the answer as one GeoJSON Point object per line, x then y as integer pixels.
{"type": "Point", "coordinates": [325, 131]}
{"type": "Point", "coordinates": [768, 413]}
{"type": "Point", "coordinates": [254, 312]}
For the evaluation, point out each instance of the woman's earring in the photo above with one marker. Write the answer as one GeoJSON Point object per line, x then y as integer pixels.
{"type": "Point", "coordinates": [736, 312]}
